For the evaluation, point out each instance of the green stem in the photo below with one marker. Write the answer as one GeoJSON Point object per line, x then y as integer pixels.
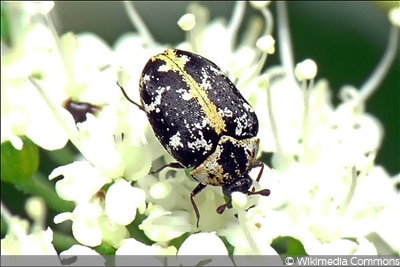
{"type": "Point", "coordinates": [62, 241]}
{"type": "Point", "coordinates": [40, 186]}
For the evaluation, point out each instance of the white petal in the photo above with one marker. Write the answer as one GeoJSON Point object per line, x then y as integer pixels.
{"type": "Point", "coordinates": [85, 226]}
{"type": "Point", "coordinates": [113, 233]}
{"type": "Point", "coordinates": [203, 244]}
{"type": "Point", "coordinates": [62, 217]}
{"type": "Point", "coordinates": [43, 127]}
{"type": "Point", "coordinates": [37, 243]}
{"type": "Point", "coordinates": [206, 244]}
{"type": "Point", "coordinates": [160, 190]}
{"type": "Point", "coordinates": [162, 225]}
{"type": "Point", "coordinates": [81, 181]}
{"type": "Point", "coordinates": [79, 250]}
{"type": "Point", "coordinates": [74, 254]}
{"type": "Point", "coordinates": [365, 247]}
{"type": "Point", "coordinates": [239, 200]}
{"type": "Point", "coordinates": [122, 201]}
{"type": "Point", "coordinates": [131, 246]}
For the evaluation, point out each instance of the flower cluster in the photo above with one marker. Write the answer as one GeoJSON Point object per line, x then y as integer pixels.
{"type": "Point", "coordinates": [327, 191]}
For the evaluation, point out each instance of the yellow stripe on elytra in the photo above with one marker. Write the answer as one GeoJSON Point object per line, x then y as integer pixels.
{"type": "Point", "coordinates": [177, 64]}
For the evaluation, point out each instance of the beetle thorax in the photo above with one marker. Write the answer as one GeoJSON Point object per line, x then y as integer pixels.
{"type": "Point", "coordinates": [232, 160]}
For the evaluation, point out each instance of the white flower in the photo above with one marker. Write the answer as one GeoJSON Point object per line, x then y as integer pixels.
{"type": "Point", "coordinates": [100, 220]}
{"type": "Point", "coordinates": [131, 246]}
{"type": "Point", "coordinates": [79, 250]}
{"type": "Point", "coordinates": [74, 252]}
{"type": "Point", "coordinates": [37, 243]}
{"type": "Point", "coordinates": [162, 225]}
{"type": "Point", "coordinates": [32, 52]}
{"type": "Point", "coordinates": [23, 240]}
{"type": "Point", "coordinates": [85, 223]}
{"type": "Point", "coordinates": [80, 181]}
{"type": "Point", "coordinates": [201, 247]}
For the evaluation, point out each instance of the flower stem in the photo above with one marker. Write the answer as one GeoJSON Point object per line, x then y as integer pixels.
{"type": "Point", "coordinates": [286, 51]}
{"type": "Point", "coordinates": [190, 35]}
{"type": "Point", "coordinates": [65, 59]}
{"type": "Point", "coordinates": [269, 21]}
{"type": "Point", "coordinates": [236, 20]}
{"type": "Point", "coordinates": [7, 217]}
{"type": "Point", "coordinates": [242, 220]}
{"type": "Point", "coordinates": [381, 70]}
{"type": "Point", "coordinates": [306, 116]}
{"type": "Point", "coordinates": [274, 128]}
{"type": "Point", "coordinates": [137, 21]}
{"type": "Point", "coordinates": [62, 241]}
{"type": "Point", "coordinates": [342, 209]}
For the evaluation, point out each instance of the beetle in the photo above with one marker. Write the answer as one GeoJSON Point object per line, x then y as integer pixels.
{"type": "Point", "coordinates": [202, 120]}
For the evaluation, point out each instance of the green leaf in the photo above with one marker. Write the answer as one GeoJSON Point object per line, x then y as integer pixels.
{"type": "Point", "coordinates": [18, 166]}
{"type": "Point", "coordinates": [288, 246]}
{"type": "Point", "coordinates": [5, 26]}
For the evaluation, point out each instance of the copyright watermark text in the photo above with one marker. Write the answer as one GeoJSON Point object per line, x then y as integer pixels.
{"type": "Point", "coordinates": [342, 261]}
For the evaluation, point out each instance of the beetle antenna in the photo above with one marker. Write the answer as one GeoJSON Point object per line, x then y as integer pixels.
{"type": "Point", "coordinates": [222, 208]}
{"type": "Point", "coordinates": [128, 98]}
{"type": "Point", "coordinates": [263, 192]}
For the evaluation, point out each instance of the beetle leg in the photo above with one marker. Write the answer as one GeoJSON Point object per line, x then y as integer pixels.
{"type": "Point", "coordinates": [261, 165]}
{"type": "Point", "coordinates": [195, 191]}
{"type": "Point", "coordinates": [175, 165]}
{"type": "Point", "coordinates": [128, 98]}
{"type": "Point", "coordinates": [263, 192]}
{"type": "Point", "coordinates": [222, 208]}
